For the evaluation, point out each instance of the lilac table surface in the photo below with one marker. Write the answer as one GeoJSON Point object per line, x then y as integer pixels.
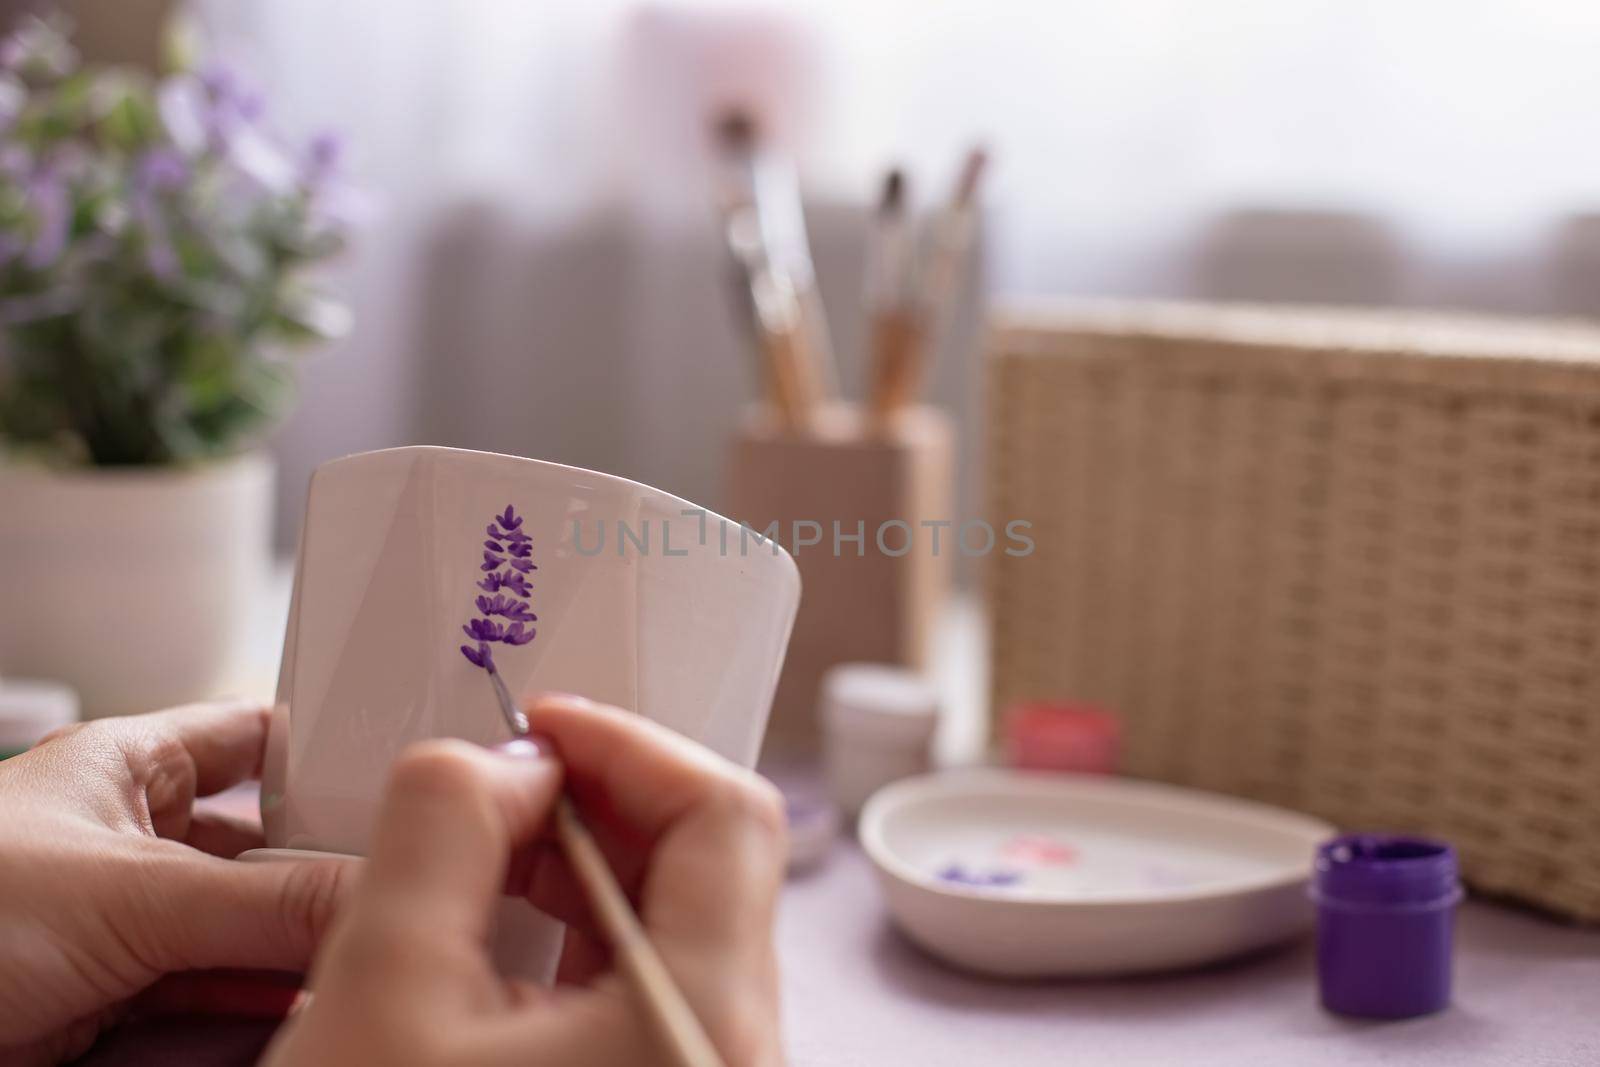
{"type": "Point", "coordinates": [858, 994]}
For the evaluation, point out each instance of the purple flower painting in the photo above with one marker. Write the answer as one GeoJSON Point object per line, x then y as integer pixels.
{"type": "Point", "coordinates": [504, 615]}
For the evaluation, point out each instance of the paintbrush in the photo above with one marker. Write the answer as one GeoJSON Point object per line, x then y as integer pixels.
{"type": "Point", "coordinates": [895, 327]}
{"type": "Point", "coordinates": [741, 226]}
{"type": "Point", "coordinates": [507, 565]}
{"type": "Point", "coordinates": [636, 957]}
{"type": "Point", "coordinates": [952, 245]}
{"type": "Point", "coordinates": [905, 328]}
{"type": "Point", "coordinates": [783, 227]}
{"type": "Point", "coordinates": [792, 384]}
{"type": "Point", "coordinates": [764, 225]}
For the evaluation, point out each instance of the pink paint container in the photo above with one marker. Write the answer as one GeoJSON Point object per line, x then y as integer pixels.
{"type": "Point", "coordinates": [1046, 736]}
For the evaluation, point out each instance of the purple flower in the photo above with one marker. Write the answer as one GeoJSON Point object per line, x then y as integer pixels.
{"type": "Point", "coordinates": [52, 217]}
{"type": "Point", "coordinates": [511, 581]}
{"type": "Point", "coordinates": [160, 170]}
{"type": "Point", "coordinates": [484, 630]}
{"type": "Point", "coordinates": [516, 583]}
{"type": "Point", "coordinates": [479, 657]}
{"type": "Point", "coordinates": [322, 158]}
{"type": "Point", "coordinates": [16, 162]}
{"type": "Point", "coordinates": [515, 537]}
{"type": "Point", "coordinates": [490, 605]}
{"type": "Point", "coordinates": [229, 91]}
{"type": "Point", "coordinates": [331, 201]}
{"type": "Point", "coordinates": [509, 607]}
{"type": "Point", "coordinates": [507, 547]}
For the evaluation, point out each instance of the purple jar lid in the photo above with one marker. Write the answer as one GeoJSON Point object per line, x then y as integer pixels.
{"type": "Point", "coordinates": [1386, 909]}
{"type": "Point", "coordinates": [1359, 871]}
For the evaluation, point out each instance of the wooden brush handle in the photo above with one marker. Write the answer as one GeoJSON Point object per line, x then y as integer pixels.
{"type": "Point", "coordinates": [794, 385]}
{"type": "Point", "coordinates": [795, 388]}
{"type": "Point", "coordinates": [896, 365]}
{"type": "Point", "coordinates": [679, 1028]}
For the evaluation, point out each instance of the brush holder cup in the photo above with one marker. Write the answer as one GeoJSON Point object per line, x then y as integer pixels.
{"type": "Point", "coordinates": [422, 569]}
{"type": "Point", "coordinates": [868, 518]}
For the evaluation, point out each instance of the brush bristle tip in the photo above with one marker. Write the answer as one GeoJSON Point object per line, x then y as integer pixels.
{"type": "Point", "coordinates": [736, 127]}
{"type": "Point", "coordinates": [894, 189]}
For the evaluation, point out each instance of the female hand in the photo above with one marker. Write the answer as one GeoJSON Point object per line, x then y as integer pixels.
{"type": "Point", "coordinates": [108, 879]}
{"type": "Point", "coordinates": [698, 843]}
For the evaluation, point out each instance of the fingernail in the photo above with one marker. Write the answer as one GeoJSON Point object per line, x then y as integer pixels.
{"type": "Point", "coordinates": [571, 700]}
{"type": "Point", "coordinates": [524, 748]}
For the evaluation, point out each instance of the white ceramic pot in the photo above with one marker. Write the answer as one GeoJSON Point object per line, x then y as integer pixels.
{"type": "Point", "coordinates": [133, 586]}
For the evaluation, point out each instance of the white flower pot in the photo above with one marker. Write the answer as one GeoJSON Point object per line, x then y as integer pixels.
{"type": "Point", "coordinates": [133, 586]}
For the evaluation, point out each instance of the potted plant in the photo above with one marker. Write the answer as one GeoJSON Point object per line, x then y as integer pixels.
{"type": "Point", "coordinates": [154, 240]}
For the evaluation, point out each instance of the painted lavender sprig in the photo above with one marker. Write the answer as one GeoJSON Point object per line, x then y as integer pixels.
{"type": "Point", "coordinates": [504, 615]}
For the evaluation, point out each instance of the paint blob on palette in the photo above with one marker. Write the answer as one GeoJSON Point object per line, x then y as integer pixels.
{"type": "Point", "coordinates": [1017, 855]}
{"type": "Point", "coordinates": [980, 877]}
{"type": "Point", "coordinates": [1045, 862]}
{"type": "Point", "coordinates": [1040, 851]}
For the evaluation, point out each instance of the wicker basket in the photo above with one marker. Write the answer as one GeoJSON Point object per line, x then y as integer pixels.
{"type": "Point", "coordinates": [1347, 562]}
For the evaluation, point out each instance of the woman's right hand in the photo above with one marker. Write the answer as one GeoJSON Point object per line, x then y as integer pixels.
{"type": "Point", "coordinates": [697, 843]}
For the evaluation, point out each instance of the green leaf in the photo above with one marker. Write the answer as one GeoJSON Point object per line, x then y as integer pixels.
{"type": "Point", "coordinates": [129, 121]}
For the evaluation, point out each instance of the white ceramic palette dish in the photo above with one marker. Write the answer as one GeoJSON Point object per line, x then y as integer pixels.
{"type": "Point", "coordinates": [1029, 875]}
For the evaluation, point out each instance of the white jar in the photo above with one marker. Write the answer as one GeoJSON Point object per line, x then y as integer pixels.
{"type": "Point", "coordinates": [878, 724]}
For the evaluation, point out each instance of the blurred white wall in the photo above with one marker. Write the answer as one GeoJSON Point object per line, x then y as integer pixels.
{"type": "Point", "coordinates": [543, 278]}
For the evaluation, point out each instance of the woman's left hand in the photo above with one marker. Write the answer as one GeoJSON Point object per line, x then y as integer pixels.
{"type": "Point", "coordinates": [109, 879]}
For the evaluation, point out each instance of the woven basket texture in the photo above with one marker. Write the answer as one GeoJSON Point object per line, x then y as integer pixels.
{"type": "Point", "coordinates": [1342, 561]}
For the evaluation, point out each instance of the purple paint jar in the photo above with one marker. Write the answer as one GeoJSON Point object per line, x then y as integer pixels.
{"type": "Point", "coordinates": [1385, 914]}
